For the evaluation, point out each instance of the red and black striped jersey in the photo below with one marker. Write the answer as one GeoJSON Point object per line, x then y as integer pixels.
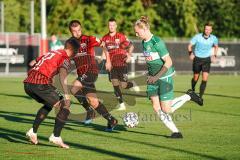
{"type": "Point", "coordinates": [85, 59]}
{"type": "Point", "coordinates": [116, 46]}
{"type": "Point", "coordinates": [47, 66]}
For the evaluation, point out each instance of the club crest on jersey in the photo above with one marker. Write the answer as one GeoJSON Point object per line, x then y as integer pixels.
{"type": "Point", "coordinates": [83, 45]}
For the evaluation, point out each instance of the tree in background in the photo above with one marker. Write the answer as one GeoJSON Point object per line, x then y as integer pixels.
{"type": "Point", "coordinates": [168, 18]}
{"type": "Point", "coordinates": [16, 16]}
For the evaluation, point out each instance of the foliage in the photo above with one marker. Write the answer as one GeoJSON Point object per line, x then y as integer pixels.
{"type": "Point", "coordinates": [168, 18]}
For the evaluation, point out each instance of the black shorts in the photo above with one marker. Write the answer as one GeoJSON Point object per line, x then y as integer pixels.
{"type": "Point", "coordinates": [43, 93]}
{"type": "Point", "coordinates": [119, 73]}
{"type": "Point", "coordinates": [201, 64]}
{"type": "Point", "coordinates": [88, 81]}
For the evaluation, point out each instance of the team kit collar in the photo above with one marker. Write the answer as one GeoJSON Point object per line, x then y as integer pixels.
{"type": "Point", "coordinates": [206, 37]}
{"type": "Point", "coordinates": [149, 38]}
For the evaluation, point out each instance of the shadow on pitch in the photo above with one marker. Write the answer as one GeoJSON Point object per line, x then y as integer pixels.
{"type": "Point", "coordinates": [221, 113]}
{"type": "Point", "coordinates": [143, 142]}
{"type": "Point", "coordinates": [216, 95]}
{"type": "Point", "coordinates": [16, 95]}
{"type": "Point", "coordinates": [20, 118]}
{"type": "Point", "coordinates": [17, 137]}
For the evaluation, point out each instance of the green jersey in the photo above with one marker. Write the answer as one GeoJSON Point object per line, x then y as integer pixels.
{"type": "Point", "coordinates": [56, 45]}
{"type": "Point", "coordinates": [154, 50]}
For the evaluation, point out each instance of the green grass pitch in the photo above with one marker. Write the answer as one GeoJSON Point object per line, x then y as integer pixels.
{"type": "Point", "coordinates": [210, 132]}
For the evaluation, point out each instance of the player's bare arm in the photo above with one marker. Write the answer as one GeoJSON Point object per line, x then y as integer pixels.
{"type": "Point", "coordinates": [213, 57]}
{"type": "Point", "coordinates": [129, 52]}
{"type": "Point", "coordinates": [63, 80]}
{"type": "Point", "coordinates": [108, 64]}
{"type": "Point", "coordinates": [167, 64]}
{"type": "Point", "coordinates": [190, 52]}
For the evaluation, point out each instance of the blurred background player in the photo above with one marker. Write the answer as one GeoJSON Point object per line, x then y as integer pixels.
{"type": "Point", "coordinates": [160, 81]}
{"type": "Point", "coordinates": [118, 50]}
{"type": "Point", "coordinates": [84, 86]}
{"type": "Point", "coordinates": [202, 56]}
{"type": "Point", "coordinates": [55, 43]}
{"type": "Point", "coordinates": [38, 85]}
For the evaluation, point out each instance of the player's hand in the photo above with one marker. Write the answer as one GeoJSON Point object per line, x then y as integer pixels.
{"type": "Point", "coordinates": [213, 59]}
{"type": "Point", "coordinates": [128, 59]}
{"type": "Point", "coordinates": [152, 79]}
{"type": "Point", "coordinates": [191, 56]}
{"type": "Point", "coordinates": [32, 63]}
{"type": "Point", "coordinates": [108, 66]}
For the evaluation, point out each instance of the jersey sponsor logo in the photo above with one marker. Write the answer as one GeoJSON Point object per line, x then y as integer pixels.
{"type": "Point", "coordinates": [117, 40]}
{"type": "Point", "coordinates": [112, 47]}
{"type": "Point", "coordinates": [81, 54]}
{"type": "Point", "coordinates": [150, 56]}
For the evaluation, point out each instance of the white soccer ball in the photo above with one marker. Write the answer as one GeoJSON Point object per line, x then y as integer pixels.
{"type": "Point", "coordinates": [130, 119]}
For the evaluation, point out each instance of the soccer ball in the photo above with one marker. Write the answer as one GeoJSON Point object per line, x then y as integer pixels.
{"type": "Point", "coordinates": [130, 119]}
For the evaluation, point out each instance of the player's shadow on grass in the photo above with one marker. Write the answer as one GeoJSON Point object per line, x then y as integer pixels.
{"type": "Point", "coordinates": [216, 95]}
{"type": "Point", "coordinates": [221, 113]}
{"type": "Point", "coordinates": [17, 137]}
{"type": "Point", "coordinates": [15, 95]}
{"type": "Point", "coordinates": [150, 134]}
{"type": "Point", "coordinates": [143, 142]}
{"type": "Point", "coordinates": [22, 118]}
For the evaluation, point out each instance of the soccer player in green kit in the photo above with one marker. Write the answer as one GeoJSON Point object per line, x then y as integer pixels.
{"type": "Point", "coordinates": [160, 81]}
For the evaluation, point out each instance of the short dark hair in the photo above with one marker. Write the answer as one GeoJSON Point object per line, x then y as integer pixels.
{"type": "Point", "coordinates": [72, 43]}
{"type": "Point", "coordinates": [74, 23]}
{"type": "Point", "coordinates": [112, 20]}
{"type": "Point", "coordinates": [208, 24]}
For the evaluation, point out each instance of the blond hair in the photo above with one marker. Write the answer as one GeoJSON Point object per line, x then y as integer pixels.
{"type": "Point", "coordinates": [142, 22]}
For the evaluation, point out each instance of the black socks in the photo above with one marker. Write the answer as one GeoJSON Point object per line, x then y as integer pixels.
{"type": "Point", "coordinates": [101, 109]}
{"type": "Point", "coordinates": [60, 120]}
{"type": "Point", "coordinates": [41, 115]}
{"type": "Point", "coordinates": [202, 88]}
{"type": "Point", "coordinates": [118, 93]}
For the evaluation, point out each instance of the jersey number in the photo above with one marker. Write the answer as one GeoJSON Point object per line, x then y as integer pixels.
{"type": "Point", "coordinates": [49, 55]}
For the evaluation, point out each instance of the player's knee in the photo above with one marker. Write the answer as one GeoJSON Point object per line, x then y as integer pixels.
{"type": "Point", "coordinates": [73, 91]}
{"type": "Point", "coordinates": [59, 104]}
{"type": "Point", "coordinates": [115, 82]}
{"type": "Point", "coordinates": [167, 110]}
{"type": "Point", "coordinates": [123, 85]}
{"type": "Point", "coordinates": [94, 102]}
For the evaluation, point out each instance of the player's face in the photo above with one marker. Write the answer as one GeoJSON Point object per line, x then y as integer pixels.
{"type": "Point", "coordinates": [207, 30]}
{"type": "Point", "coordinates": [76, 31]}
{"type": "Point", "coordinates": [112, 26]}
{"type": "Point", "coordinates": [140, 32]}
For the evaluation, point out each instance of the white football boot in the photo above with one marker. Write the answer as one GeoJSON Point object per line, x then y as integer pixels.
{"type": "Point", "coordinates": [122, 107]}
{"type": "Point", "coordinates": [32, 136]}
{"type": "Point", "coordinates": [58, 141]}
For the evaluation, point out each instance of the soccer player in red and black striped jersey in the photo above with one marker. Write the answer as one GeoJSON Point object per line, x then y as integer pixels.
{"type": "Point", "coordinates": [118, 50]}
{"type": "Point", "coordinates": [38, 85]}
{"type": "Point", "coordinates": [84, 86]}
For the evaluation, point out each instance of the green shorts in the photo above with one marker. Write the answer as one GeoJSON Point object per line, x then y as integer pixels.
{"type": "Point", "coordinates": [162, 88]}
